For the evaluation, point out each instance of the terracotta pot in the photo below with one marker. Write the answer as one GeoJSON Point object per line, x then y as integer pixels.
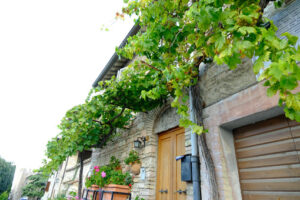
{"type": "Point", "coordinates": [116, 188]}
{"type": "Point", "coordinates": [95, 187]}
{"type": "Point", "coordinates": [135, 168]}
{"type": "Point", "coordinates": [119, 168]}
{"type": "Point", "coordinates": [91, 193]}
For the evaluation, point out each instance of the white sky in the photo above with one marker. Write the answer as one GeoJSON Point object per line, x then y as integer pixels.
{"type": "Point", "coordinates": [51, 51]}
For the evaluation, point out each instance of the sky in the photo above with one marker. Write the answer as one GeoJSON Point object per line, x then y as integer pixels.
{"type": "Point", "coordinates": [51, 51]}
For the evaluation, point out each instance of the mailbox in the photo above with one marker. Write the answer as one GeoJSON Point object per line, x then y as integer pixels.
{"type": "Point", "coordinates": [186, 167]}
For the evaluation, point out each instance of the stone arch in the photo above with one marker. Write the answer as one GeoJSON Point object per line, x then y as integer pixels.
{"type": "Point", "coordinates": [161, 119]}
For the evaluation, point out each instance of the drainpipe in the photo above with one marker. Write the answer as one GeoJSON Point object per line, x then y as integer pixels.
{"type": "Point", "coordinates": [195, 155]}
{"type": "Point", "coordinates": [194, 144]}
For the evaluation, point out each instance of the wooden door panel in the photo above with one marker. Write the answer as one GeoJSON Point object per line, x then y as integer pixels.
{"type": "Point", "coordinates": [284, 171]}
{"type": "Point", "coordinates": [180, 150]}
{"type": "Point", "coordinates": [262, 195]}
{"type": "Point", "coordinates": [170, 145]}
{"type": "Point", "coordinates": [164, 168]}
{"type": "Point", "coordinates": [268, 159]}
{"type": "Point", "coordinates": [261, 127]}
{"type": "Point", "coordinates": [286, 184]}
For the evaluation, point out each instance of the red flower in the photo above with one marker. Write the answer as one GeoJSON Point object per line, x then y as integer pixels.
{"type": "Point", "coordinates": [130, 185]}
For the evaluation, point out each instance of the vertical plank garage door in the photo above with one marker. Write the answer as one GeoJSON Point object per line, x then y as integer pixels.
{"type": "Point", "coordinates": [268, 157]}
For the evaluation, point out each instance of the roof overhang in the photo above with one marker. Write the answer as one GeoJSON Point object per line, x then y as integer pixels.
{"type": "Point", "coordinates": [115, 63]}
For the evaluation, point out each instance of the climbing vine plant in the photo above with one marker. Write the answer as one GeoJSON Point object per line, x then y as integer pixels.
{"type": "Point", "coordinates": [180, 34]}
{"type": "Point", "coordinates": [176, 36]}
{"type": "Point", "coordinates": [109, 106]}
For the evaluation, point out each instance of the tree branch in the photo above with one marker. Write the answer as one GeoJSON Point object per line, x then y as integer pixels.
{"type": "Point", "coordinates": [150, 66]}
{"type": "Point", "coordinates": [97, 121]}
{"type": "Point", "coordinates": [113, 119]}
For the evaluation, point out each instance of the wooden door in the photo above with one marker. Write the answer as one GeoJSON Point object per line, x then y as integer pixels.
{"type": "Point", "coordinates": [170, 145]}
{"type": "Point", "coordinates": [269, 160]}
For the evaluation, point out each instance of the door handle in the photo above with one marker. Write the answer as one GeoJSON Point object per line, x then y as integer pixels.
{"type": "Point", "coordinates": [181, 191]}
{"type": "Point", "coordinates": [162, 191]}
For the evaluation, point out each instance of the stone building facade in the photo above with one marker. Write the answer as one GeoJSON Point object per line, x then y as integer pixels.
{"type": "Point", "coordinates": [19, 182]}
{"type": "Point", "coordinates": [233, 99]}
{"type": "Point", "coordinates": [65, 180]}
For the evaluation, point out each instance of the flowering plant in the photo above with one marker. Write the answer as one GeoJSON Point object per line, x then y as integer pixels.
{"type": "Point", "coordinates": [133, 157]}
{"type": "Point", "coordinates": [109, 174]}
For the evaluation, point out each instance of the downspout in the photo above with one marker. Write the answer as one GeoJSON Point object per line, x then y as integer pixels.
{"type": "Point", "coordinates": [195, 155]}
{"type": "Point", "coordinates": [194, 144]}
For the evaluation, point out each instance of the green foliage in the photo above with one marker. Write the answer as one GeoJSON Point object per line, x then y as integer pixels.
{"type": "Point", "coordinates": [177, 36]}
{"type": "Point", "coordinates": [73, 194]}
{"type": "Point", "coordinates": [133, 157]}
{"type": "Point", "coordinates": [109, 106]}
{"type": "Point", "coordinates": [181, 34]}
{"type": "Point", "coordinates": [127, 91]}
{"type": "Point", "coordinates": [4, 195]}
{"type": "Point", "coordinates": [7, 171]}
{"type": "Point", "coordinates": [93, 123]}
{"type": "Point", "coordinates": [109, 174]}
{"type": "Point", "coordinates": [138, 198]}
{"type": "Point", "coordinates": [35, 187]}
{"type": "Point", "coordinates": [59, 197]}
{"type": "Point", "coordinates": [114, 163]}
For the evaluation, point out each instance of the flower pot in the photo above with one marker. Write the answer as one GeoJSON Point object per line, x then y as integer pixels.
{"type": "Point", "coordinates": [91, 193]}
{"type": "Point", "coordinates": [95, 187]}
{"type": "Point", "coordinates": [119, 168]}
{"type": "Point", "coordinates": [135, 168]}
{"type": "Point", "coordinates": [116, 188]}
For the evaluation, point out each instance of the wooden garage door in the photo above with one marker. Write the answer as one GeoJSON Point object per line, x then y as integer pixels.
{"type": "Point", "coordinates": [268, 156]}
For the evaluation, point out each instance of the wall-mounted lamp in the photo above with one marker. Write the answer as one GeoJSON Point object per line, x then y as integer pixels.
{"type": "Point", "coordinates": [140, 142]}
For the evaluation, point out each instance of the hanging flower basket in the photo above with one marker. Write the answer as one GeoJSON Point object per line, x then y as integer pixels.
{"type": "Point", "coordinates": [135, 168]}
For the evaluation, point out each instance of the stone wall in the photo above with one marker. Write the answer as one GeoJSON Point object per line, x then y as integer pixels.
{"type": "Point", "coordinates": [219, 82]}
{"type": "Point", "coordinates": [145, 124]}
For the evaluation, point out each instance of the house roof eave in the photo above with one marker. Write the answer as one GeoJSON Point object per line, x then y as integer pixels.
{"type": "Point", "coordinates": [115, 62]}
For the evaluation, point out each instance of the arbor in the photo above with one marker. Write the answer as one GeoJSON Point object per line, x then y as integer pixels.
{"type": "Point", "coordinates": [35, 187]}
{"type": "Point", "coordinates": [7, 171]}
{"type": "Point", "coordinates": [176, 37]}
